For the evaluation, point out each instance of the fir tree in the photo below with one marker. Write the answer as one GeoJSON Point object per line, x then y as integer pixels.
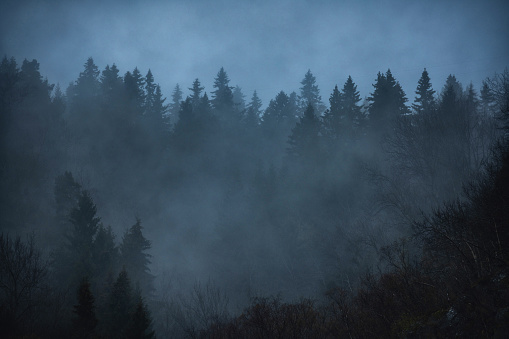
{"type": "Point", "coordinates": [252, 117]}
{"type": "Point", "coordinates": [174, 106]}
{"type": "Point", "coordinates": [196, 90]}
{"type": "Point", "coordinates": [120, 306]}
{"type": "Point", "coordinates": [425, 99]}
{"type": "Point", "coordinates": [140, 327]}
{"type": "Point", "coordinates": [304, 140]}
{"type": "Point", "coordinates": [332, 117]}
{"type": "Point", "coordinates": [85, 319]}
{"type": "Point", "coordinates": [133, 252]}
{"type": "Point", "coordinates": [310, 94]}
{"type": "Point", "coordinates": [387, 103]}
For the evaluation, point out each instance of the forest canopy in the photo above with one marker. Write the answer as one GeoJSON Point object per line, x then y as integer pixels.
{"type": "Point", "coordinates": [214, 215]}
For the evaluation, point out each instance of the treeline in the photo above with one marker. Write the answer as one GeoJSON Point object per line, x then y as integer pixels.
{"type": "Point", "coordinates": [301, 197]}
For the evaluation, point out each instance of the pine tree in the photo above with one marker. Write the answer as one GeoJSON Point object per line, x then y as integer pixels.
{"type": "Point", "coordinates": [150, 92]}
{"type": "Point", "coordinates": [222, 101]}
{"type": "Point", "coordinates": [81, 239]}
{"type": "Point", "coordinates": [332, 118]}
{"type": "Point", "coordinates": [67, 193]}
{"type": "Point", "coordinates": [487, 99]}
{"type": "Point", "coordinates": [135, 259]}
{"type": "Point", "coordinates": [252, 117]}
{"type": "Point", "coordinates": [304, 140]}
{"type": "Point", "coordinates": [120, 306]}
{"type": "Point", "coordinates": [174, 106]}
{"type": "Point", "coordinates": [351, 110]}
{"type": "Point", "coordinates": [387, 103]}
{"type": "Point", "coordinates": [140, 327]}
{"type": "Point", "coordinates": [85, 319]}
{"type": "Point", "coordinates": [238, 99]}
{"type": "Point", "coordinates": [310, 94]}
{"type": "Point", "coordinates": [425, 99]}
{"type": "Point", "coordinates": [196, 90]}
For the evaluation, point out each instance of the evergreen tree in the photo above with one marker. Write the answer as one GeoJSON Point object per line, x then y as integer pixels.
{"type": "Point", "coordinates": [87, 85]}
{"type": "Point", "coordinates": [310, 94]}
{"type": "Point", "coordinates": [238, 99]}
{"type": "Point", "coordinates": [332, 118]}
{"type": "Point", "coordinates": [85, 225]}
{"type": "Point", "coordinates": [120, 306]}
{"type": "Point", "coordinates": [351, 110]}
{"type": "Point", "coordinates": [140, 327]}
{"type": "Point", "coordinates": [252, 117]}
{"type": "Point", "coordinates": [304, 140]}
{"type": "Point", "coordinates": [150, 93]}
{"type": "Point", "coordinates": [487, 98]}
{"type": "Point", "coordinates": [196, 90]}
{"type": "Point", "coordinates": [105, 255]}
{"type": "Point", "coordinates": [174, 106]}
{"type": "Point", "coordinates": [425, 99]}
{"type": "Point", "coordinates": [387, 103]}
{"type": "Point", "coordinates": [135, 259]}
{"type": "Point", "coordinates": [67, 193]}
{"type": "Point", "coordinates": [222, 101]}
{"type": "Point", "coordinates": [85, 319]}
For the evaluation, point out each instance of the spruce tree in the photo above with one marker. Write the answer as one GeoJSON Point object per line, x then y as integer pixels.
{"type": "Point", "coordinates": [351, 110]}
{"type": "Point", "coordinates": [425, 99]}
{"type": "Point", "coordinates": [174, 106]}
{"type": "Point", "coordinates": [387, 103]}
{"type": "Point", "coordinates": [135, 259]}
{"type": "Point", "coordinates": [85, 320]}
{"type": "Point", "coordinates": [332, 118]}
{"type": "Point", "coordinates": [81, 239]}
{"type": "Point", "coordinates": [252, 117]}
{"type": "Point", "coordinates": [196, 90]}
{"type": "Point", "coordinates": [120, 306]}
{"type": "Point", "coordinates": [310, 94]}
{"type": "Point", "coordinates": [304, 140]}
{"type": "Point", "coordinates": [140, 327]}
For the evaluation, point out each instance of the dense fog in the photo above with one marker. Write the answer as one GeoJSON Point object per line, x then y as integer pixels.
{"type": "Point", "coordinates": [141, 203]}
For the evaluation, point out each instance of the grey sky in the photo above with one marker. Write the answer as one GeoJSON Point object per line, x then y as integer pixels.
{"type": "Point", "coordinates": [263, 45]}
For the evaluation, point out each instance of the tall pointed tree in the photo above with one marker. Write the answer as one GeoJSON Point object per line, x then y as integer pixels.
{"type": "Point", "coordinates": [387, 103]}
{"type": "Point", "coordinates": [85, 319]}
{"type": "Point", "coordinates": [174, 106]}
{"type": "Point", "coordinates": [252, 116]}
{"type": "Point", "coordinates": [332, 119]}
{"type": "Point", "coordinates": [425, 99]}
{"type": "Point", "coordinates": [304, 140]}
{"type": "Point", "coordinates": [120, 306]}
{"type": "Point", "coordinates": [135, 258]}
{"type": "Point", "coordinates": [310, 94]}
{"type": "Point", "coordinates": [196, 90]}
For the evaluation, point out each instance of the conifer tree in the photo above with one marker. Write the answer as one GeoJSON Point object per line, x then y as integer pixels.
{"type": "Point", "coordinates": [304, 140]}
{"type": "Point", "coordinates": [238, 99]}
{"type": "Point", "coordinates": [140, 327]}
{"type": "Point", "coordinates": [310, 94]}
{"type": "Point", "coordinates": [222, 102]}
{"type": "Point", "coordinates": [252, 117]}
{"type": "Point", "coordinates": [135, 259]}
{"type": "Point", "coordinates": [85, 320]}
{"type": "Point", "coordinates": [387, 103]}
{"type": "Point", "coordinates": [332, 118]}
{"type": "Point", "coordinates": [81, 239]}
{"type": "Point", "coordinates": [425, 99]}
{"type": "Point", "coordinates": [120, 306]}
{"type": "Point", "coordinates": [196, 90]}
{"type": "Point", "coordinates": [174, 106]}
{"type": "Point", "coordinates": [351, 110]}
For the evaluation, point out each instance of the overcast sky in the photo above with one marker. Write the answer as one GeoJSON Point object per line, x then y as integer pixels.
{"type": "Point", "coordinates": [263, 45]}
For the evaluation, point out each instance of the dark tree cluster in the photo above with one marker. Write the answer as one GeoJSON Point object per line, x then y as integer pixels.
{"type": "Point", "coordinates": [299, 197]}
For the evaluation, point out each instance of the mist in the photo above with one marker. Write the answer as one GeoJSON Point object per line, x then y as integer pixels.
{"type": "Point", "coordinates": [197, 169]}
